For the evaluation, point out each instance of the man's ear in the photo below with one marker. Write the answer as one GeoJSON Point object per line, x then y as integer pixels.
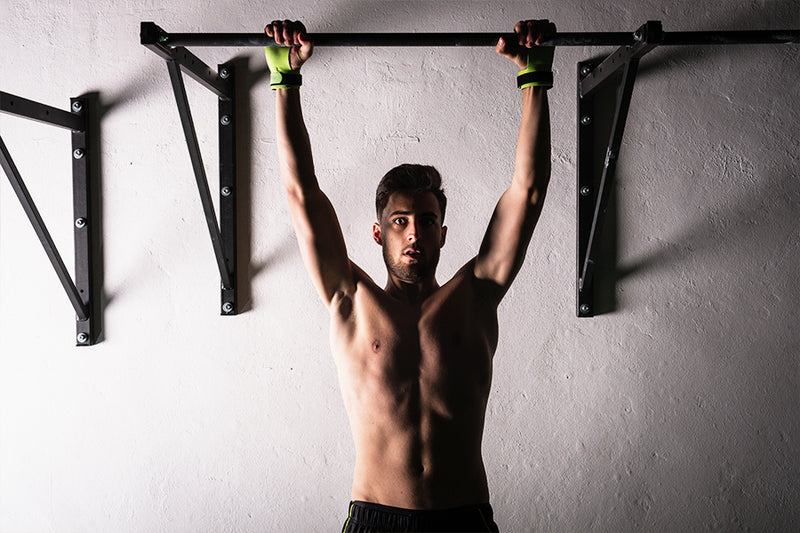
{"type": "Point", "coordinates": [376, 233]}
{"type": "Point", "coordinates": [444, 236]}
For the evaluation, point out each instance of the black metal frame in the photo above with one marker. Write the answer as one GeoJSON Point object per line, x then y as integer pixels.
{"type": "Point", "coordinates": [593, 190]}
{"type": "Point", "coordinates": [221, 83]}
{"type": "Point", "coordinates": [81, 291]}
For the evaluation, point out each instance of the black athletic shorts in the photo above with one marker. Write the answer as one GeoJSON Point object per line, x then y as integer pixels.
{"type": "Point", "coordinates": [367, 517]}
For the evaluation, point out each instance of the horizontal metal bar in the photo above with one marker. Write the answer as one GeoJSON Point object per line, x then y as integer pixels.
{"type": "Point", "coordinates": [153, 35]}
{"type": "Point", "coordinates": [732, 37]}
{"type": "Point", "coordinates": [22, 107]}
{"type": "Point", "coordinates": [41, 231]}
{"type": "Point", "coordinates": [393, 39]}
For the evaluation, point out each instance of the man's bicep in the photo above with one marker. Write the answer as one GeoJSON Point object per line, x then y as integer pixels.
{"type": "Point", "coordinates": [322, 246]}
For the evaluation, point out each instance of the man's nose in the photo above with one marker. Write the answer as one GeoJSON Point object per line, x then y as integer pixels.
{"type": "Point", "coordinates": [411, 234]}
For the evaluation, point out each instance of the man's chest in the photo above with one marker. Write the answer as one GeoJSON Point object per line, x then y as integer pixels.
{"type": "Point", "coordinates": [450, 335]}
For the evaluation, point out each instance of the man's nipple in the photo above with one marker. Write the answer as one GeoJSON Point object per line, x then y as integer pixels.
{"type": "Point", "coordinates": [376, 346]}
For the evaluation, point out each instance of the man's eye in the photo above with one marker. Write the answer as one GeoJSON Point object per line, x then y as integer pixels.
{"type": "Point", "coordinates": [400, 221]}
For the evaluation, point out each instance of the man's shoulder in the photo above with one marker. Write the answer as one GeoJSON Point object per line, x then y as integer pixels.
{"type": "Point", "coordinates": [465, 280]}
{"type": "Point", "coordinates": [343, 302]}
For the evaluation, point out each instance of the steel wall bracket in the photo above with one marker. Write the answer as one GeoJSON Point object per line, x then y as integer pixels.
{"type": "Point", "coordinates": [222, 84]}
{"type": "Point", "coordinates": [594, 185]}
{"type": "Point", "coordinates": [81, 291]}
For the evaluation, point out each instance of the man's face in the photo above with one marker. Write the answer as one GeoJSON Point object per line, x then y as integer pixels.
{"type": "Point", "coordinates": [411, 234]}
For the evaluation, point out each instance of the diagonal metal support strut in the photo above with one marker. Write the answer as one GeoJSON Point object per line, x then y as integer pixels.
{"type": "Point", "coordinates": [223, 235]}
{"type": "Point", "coordinates": [199, 170]}
{"type": "Point", "coordinates": [81, 291]}
{"type": "Point", "coordinates": [39, 227]}
{"type": "Point", "coordinates": [593, 193]}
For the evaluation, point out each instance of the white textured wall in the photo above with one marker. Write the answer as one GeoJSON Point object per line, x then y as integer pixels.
{"type": "Point", "coordinates": [678, 411]}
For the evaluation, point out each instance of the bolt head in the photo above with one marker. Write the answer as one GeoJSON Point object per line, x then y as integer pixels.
{"type": "Point", "coordinates": [586, 120]}
{"type": "Point", "coordinates": [80, 223]}
{"type": "Point", "coordinates": [585, 309]}
{"type": "Point", "coordinates": [585, 70]}
{"type": "Point", "coordinates": [77, 153]}
{"type": "Point", "coordinates": [225, 120]}
{"type": "Point", "coordinates": [227, 307]}
{"type": "Point", "coordinates": [77, 106]}
{"type": "Point", "coordinates": [226, 191]}
{"type": "Point", "coordinates": [585, 191]}
{"type": "Point", "coordinates": [224, 73]}
{"type": "Point", "coordinates": [82, 338]}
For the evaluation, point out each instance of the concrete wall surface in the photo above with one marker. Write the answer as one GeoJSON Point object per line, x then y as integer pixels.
{"type": "Point", "coordinates": [676, 410]}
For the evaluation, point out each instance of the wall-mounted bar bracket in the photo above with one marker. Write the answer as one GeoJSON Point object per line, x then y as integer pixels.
{"type": "Point", "coordinates": [594, 187]}
{"type": "Point", "coordinates": [221, 83]}
{"type": "Point", "coordinates": [80, 291]}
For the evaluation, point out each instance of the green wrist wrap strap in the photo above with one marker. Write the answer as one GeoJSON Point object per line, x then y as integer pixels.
{"type": "Point", "coordinates": [282, 76]}
{"type": "Point", "coordinates": [539, 72]}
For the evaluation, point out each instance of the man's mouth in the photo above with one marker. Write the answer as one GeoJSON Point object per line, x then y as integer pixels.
{"type": "Point", "coordinates": [412, 252]}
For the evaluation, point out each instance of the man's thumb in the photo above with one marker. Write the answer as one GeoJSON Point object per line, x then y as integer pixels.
{"type": "Point", "coordinates": [501, 46]}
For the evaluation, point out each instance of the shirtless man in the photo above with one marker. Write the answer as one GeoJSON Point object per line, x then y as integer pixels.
{"type": "Point", "coordinates": [414, 359]}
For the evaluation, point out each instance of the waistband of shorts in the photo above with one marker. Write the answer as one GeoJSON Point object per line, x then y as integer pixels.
{"type": "Point", "coordinates": [420, 519]}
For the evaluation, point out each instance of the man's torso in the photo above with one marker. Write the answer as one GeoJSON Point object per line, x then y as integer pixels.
{"type": "Point", "coordinates": [415, 382]}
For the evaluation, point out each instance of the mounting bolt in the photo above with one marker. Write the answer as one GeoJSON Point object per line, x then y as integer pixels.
{"type": "Point", "coordinates": [82, 338]}
{"type": "Point", "coordinates": [585, 70]}
{"type": "Point", "coordinates": [77, 106]}
{"type": "Point", "coordinates": [585, 191]}
{"type": "Point", "coordinates": [77, 153]}
{"type": "Point", "coordinates": [80, 223]}
{"type": "Point", "coordinates": [227, 307]}
{"type": "Point", "coordinates": [638, 35]}
{"type": "Point", "coordinates": [585, 308]}
{"type": "Point", "coordinates": [586, 120]}
{"type": "Point", "coordinates": [226, 191]}
{"type": "Point", "coordinates": [224, 73]}
{"type": "Point", "coordinates": [225, 120]}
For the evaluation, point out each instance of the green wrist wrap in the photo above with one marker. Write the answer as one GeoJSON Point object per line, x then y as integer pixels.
{"type": "Point", "coordinates": [282, 76]}
{"type": "Point", "coordinates": [539, 72]}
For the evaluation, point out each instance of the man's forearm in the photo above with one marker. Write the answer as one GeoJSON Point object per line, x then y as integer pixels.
{"type": "Point", "coordinates": [294, 147]}
{"type": "Point", "coordinates": [532, 165]}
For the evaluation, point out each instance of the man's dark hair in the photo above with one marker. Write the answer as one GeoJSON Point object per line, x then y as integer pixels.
{"type": "Point", "coordinates": [410, 177]}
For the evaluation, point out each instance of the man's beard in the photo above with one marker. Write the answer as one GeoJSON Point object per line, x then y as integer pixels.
{"type": "Point", "coordinates": [411, 272]}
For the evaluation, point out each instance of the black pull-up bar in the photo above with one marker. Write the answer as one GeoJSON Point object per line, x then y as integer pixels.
{"type": "Point", "coordinates": [152, 34]}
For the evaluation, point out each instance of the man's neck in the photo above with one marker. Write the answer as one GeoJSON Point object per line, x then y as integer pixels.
{"type": "Point", "coordinates": [411, 293]}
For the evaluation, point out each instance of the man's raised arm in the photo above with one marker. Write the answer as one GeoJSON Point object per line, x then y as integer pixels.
{"type": "Point", "coordinates": [318, 232]}
{"type": "Point", "coordinates": [503, 248]}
